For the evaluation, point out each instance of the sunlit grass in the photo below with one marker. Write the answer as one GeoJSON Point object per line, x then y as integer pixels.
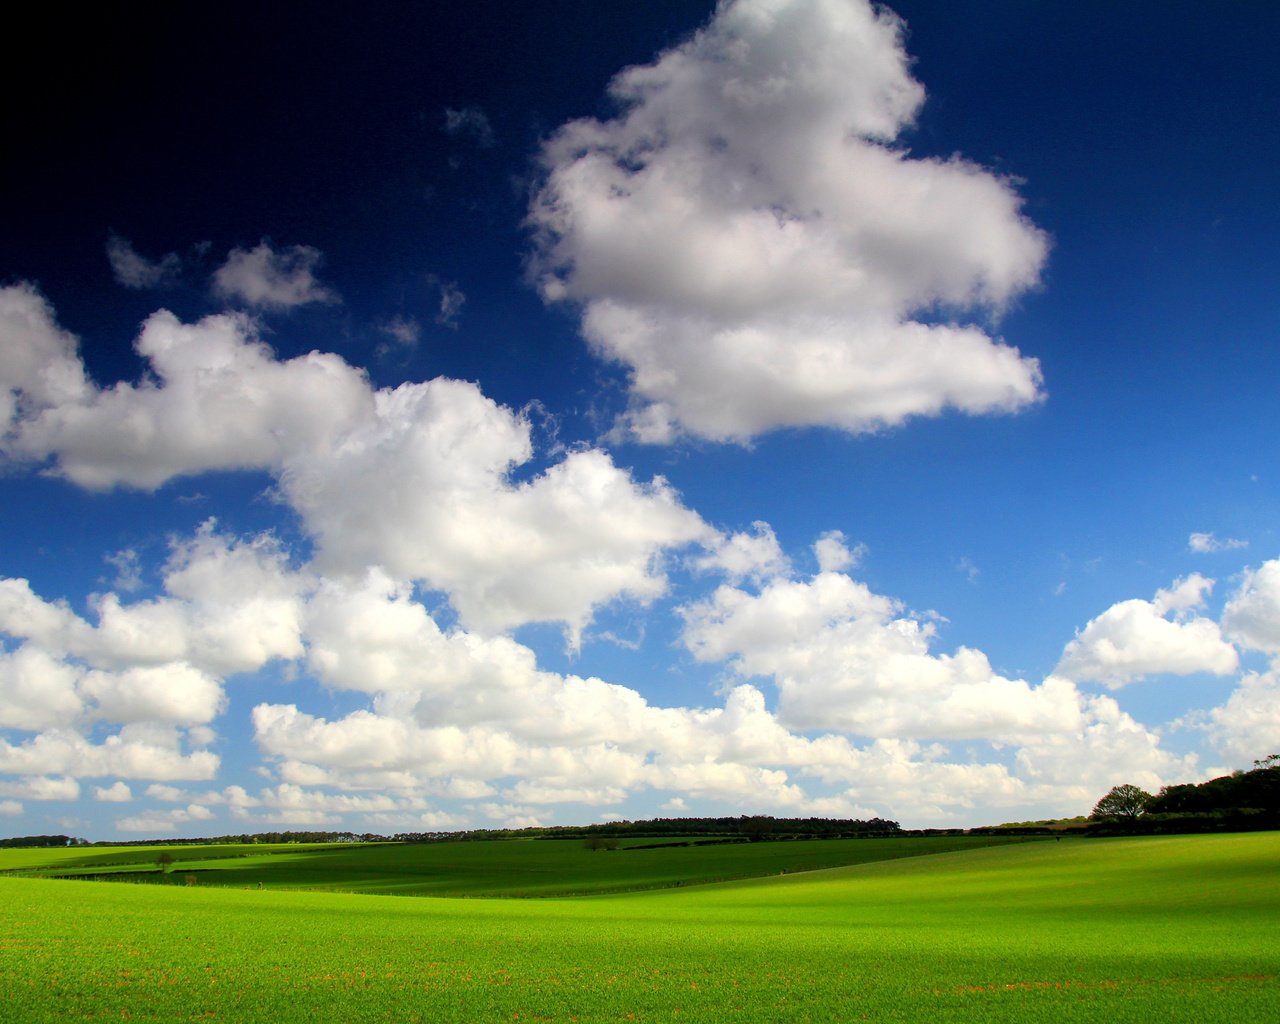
{"type": "Point", "coordinates": [1093, 930]}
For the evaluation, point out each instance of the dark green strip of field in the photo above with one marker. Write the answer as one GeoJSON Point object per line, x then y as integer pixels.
{"type": "Point", "coordinates": [513, 868]}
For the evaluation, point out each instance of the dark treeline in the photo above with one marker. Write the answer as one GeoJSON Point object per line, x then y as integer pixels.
{"type": "Point", "coordinates": [29, 842]}
{"type": "Point", "coordinates": [1241, 801]}
{"type": "Point", "coordinates": [1257, 791]}
{"type": "Point", "coordinates": [248, 838]}
{"type": "Point", "coordinates": [748, 826]}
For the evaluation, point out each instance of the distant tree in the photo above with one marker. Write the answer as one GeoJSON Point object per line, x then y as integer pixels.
{"type": "Point", "coordinates": [1123, 803]}
{"type": "Point", "coordinates": [594, 843]}
{"type": "Point", "coordinates": [165, 861]}
{"type": "Point", "coordinates": [37, 841]}
{"type": "Point", "coordinates": [1253, 792]}
{"type": "Point", "coordinates": [756, 827]}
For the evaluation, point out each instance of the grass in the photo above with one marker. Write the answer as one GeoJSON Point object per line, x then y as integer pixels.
{"type": "Point", "coordinates": [507, 868]}
{"type": "Point", "coordinates": [1118, 930]}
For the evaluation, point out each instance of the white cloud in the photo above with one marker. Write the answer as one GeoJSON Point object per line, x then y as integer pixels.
{"type": "Point", "coordinates": [164, 821]}
{"type": "Point", "coordinates": [754, 556]}
{"type": "Point", "coordinates": [1135, 638]}
{"type": "Point", "coordinates": [426, 821]}
{"type": "Point", "coordinates": [243, 603]}
{"type": "Point", "coordinates": [215, 399]}
{"type": "Point", "coordinates": [117, 793]}
{"type": "Point", "coordinates": [135, 271]}
{"type": "Point", "coordinates": [365, 741]}
{"type": "Point", "coordinates": [465, 713]}
{"type": "Point", "coordinates": [10, 807]}
{"type": "Point", "coordinates": [161, 693]}
{"type": "Point", "coordinates": [451, 302]}
{"type": "Point", "coordinates": [461, 716]}
{"type": "Point", "coordinates": [150, 823]}
{"type": "Point", "coordinates": [265, 278]}
{"type": "Point", "coordinates": [834, 555]}
{"type": "Point", "coordinates": [373, 637]}
{"type": "Point", "coordinates": [289, 804]}
{"type": "Point", "coordinates": [133, 753]}
{"type": "Point", "coordinates": [1186, 595]}
{"type": "Point", "coordinates": [739, 755]}
{"type": "Point", "coordinates": [845, 658]}
{"type": "Point", "coordinates": [1207, 543]}
{"type": "Point", "coordinates": [128, 568]}
{"type": "Point", "coordinates": [747, 241]}
{"type": "Point", "coordinates": [231, 606]}
{"type": "Point", "coordinates": [37, 691]}
{"type": "Point", "coordinates": [40, 365]}
{"type": "Point", "coordinates": [169, 794]}
{"type": "Point", "coordinates": [42, 787]}
{"type": "Point", "coordinates": [452, 299]}
{"type": "Point", "coordinates": [1247, 726]}
{"type": "Point", "coordinates": [511, 815]}
{"type": "Point", "coordinates": [1110, 746]}
{"type": "Point", "coordinates": [403, 331]}
{"type": "Point", "coordinates": [439, 454]}
{"type": "Point", "coordinates": [529, 792]}
{"type": "Point", "coordinates": [439, 695]}
{"type": "Point", "coordinates": [1252, 616]}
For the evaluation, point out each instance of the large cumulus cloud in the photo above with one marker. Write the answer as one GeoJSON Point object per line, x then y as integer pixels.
{"type": "Point", "coordinates": [746, 238]}
{"type": "Point", "coordinates": [1135, 638]}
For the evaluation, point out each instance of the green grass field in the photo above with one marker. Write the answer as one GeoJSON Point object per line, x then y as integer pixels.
{"type": "Point", "coordinates": [1141, 930]}
{"type": "Point", "coordinates": [508, 868]}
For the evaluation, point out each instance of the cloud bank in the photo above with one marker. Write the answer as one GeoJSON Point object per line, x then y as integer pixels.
{"type": "Point", "coordinates": [835, 698]}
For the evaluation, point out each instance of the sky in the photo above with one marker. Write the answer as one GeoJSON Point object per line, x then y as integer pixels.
{"type": "Point", "coordinates": [464, 415]}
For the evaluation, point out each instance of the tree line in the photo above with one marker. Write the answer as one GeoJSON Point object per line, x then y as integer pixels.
{"type": "Point", "coordinates": [1241, 801]}
{"type": "Point", "coordinates": [33, 842]}
{"type": "Point", "coordinates": [747, 826]}
{"type": "Point", "coordinates": [239, 838]}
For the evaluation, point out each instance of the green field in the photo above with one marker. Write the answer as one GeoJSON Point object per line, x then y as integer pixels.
{"type": "Point", "coordinates": [1152, 929]}
{"type": "Point", "coordinates": [508, 868]}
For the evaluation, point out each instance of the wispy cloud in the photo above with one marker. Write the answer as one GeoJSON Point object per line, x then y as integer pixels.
{"type": "Point", "coordinates": [265, 278]}
{"type": "Point", "coordinates": [452, 299]}
{"type": "Point", "coordinates": [469, 122]}
{"type": "Point", "coordinates": [1207, 543]}
{"type": "Point", "coordinates": [403, 334]}
{"type": "Point", "coordinates": [128, 567]}
{"type": "Point", "coordinates": [133, 270]}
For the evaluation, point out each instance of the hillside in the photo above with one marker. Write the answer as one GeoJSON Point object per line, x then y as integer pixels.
{"type": "Point", "coordinates": [1110, 930]}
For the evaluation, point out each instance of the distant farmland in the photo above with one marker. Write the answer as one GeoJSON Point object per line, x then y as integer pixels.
{"type": "Point", "coordinates": [549, 867]}
{"type": "Point", "coordinates": [1144, 929]}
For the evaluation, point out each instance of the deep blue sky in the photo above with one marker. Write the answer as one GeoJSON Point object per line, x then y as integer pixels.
{"type": "Point", "coordinates": [401, 146]}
